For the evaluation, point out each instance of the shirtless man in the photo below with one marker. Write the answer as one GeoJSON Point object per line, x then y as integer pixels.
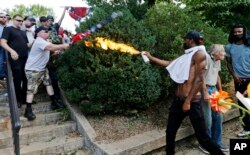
{"type": "Point", "coordinates": [188, 94]}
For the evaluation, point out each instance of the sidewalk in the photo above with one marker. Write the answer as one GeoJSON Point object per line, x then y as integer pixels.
{"type": "Point", "coordinates": [189, 145]}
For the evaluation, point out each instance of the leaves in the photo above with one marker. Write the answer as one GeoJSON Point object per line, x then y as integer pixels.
{"type": "Point", "coordinates": [35, 10]}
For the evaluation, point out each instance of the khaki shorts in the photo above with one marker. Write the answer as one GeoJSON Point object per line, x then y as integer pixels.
{"type": "Point", "coordinates": [35, 78]}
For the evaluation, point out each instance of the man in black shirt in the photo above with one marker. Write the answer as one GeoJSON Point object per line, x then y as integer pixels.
{"type": "Point", "coordinates": [55, 39]}
{"type": "Point", "coordinates": [15, 41]}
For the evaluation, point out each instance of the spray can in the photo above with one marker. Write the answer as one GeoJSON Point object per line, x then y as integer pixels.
{"type": "Point", "coordinates": [145, 58]}
{"type": "Point", "coordinates": [248, 90]}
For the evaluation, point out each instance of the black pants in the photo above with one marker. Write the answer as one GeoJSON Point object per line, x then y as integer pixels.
{"type": "Point", "coordinates": [241, 87]}
{"type": "Point", "coordinates": [19, 78]}
{"type": "Point", "coordinates": [54, 80]}
{"type": "Point", "coordinates": [175, 118]}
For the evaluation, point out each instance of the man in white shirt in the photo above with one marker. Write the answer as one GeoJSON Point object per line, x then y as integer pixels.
{"type": "Point", "coordinates": [36, 71]}
{"type": "Point", "coordinates": [29, 27]}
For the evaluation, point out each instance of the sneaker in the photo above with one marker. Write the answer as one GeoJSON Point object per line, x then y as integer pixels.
{"type": "Point", "coordinates": [203, 150]}
{"type": "Point", "coordinates": [224, 148]}
{"type": "Point", "coordinates": [243, 133]}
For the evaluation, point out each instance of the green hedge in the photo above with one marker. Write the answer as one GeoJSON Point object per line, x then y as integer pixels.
{"type": "Point", "coordinates": [110, 81]}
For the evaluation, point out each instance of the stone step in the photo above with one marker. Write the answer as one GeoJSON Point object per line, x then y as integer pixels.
{"type": "Point", "coordinates": [41, 119]}
{"type": "Point", "coordinates": [57, 146]}
{"type": "Point", "coordinates": [38, 133]}
{"type": "Point", "coordinates": [3, 124]}
{"type": "Point", "coordinates": [41, 107]}
{"type": "Point", "coordinates": [3, 97]}
{"type": "Point", "coordinates": [4, 112]}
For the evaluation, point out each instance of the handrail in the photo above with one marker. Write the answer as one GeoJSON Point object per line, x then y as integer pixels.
{"type": "Point", "coordinates": [14, 112]}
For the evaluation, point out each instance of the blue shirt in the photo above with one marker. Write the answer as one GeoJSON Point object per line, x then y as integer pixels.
{"type": "Point", "coordinates": [240, 55]}
{"type": "Point", "coordinates": [1, 30]}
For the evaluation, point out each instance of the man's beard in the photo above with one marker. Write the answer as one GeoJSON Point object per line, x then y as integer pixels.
{"type": "Point", "coordinates": [238, 37]}
{"type": "Point", "coordinates": [2, 23]}
{"type": "Point", "coordinates": [185, 46]}
{"type": "Point", "coordinates": [28, 26]}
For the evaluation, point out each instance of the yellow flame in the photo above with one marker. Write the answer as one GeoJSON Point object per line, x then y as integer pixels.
{"type": "Point", "coordinates": [109, 44]}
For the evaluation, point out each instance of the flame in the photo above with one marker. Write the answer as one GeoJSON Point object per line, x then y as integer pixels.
{"type": "Point", "coordinates": [220, 101]}
{"type": "Point", "coordinates": [109, 44]}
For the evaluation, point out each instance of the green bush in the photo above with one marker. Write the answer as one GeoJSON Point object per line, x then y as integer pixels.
{"type": "Point", "coordinates": [110, 81]}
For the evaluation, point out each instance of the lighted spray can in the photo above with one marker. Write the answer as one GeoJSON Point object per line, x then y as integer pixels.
{"type": "Point", "coordinates": [145, 58]}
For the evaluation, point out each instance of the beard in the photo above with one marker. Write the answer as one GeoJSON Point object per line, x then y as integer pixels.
{"type": "Point", "coordinates": [238, 37]}
{"type": "Point", "coordinates": [2, 22]}
{"type": "Point", "coordinates": [185, 46]}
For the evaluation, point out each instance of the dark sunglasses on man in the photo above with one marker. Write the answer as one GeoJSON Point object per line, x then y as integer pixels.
{"type": "Point", "coordinates": [19, 20]}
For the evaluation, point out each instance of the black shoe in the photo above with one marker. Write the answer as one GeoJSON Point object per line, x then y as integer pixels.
{"type": "Point", "coordinates": [29, 114]}
{"type": "Point", "coordinates": [56, 105]}
{"type": "Point", "coordinates": [59, 101]}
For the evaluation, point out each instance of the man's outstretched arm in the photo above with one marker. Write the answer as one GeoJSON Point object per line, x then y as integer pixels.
{"type": "Point", "coordinates": [163, 63]}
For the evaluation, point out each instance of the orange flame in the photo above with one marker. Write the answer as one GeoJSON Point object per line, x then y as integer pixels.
{"type": "Point", "coordinates": [220, 101]}
{"type": "Point", "coordinates": [109, 44]}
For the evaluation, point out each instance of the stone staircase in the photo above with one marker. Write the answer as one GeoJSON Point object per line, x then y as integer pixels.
{"type": "Point", "coordinates": [51, 133]}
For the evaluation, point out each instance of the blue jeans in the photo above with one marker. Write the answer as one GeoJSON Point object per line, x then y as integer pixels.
{"type": "Point", "coordinates": [2, 63]}
{"type": "Point", "coordinates": [213, 119]}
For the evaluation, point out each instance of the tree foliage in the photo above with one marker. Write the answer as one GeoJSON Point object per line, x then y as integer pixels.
{"type": "Point", "coordinates": [35, 10]}
{"type": "Point", "coordinates": [137, 7]}
{"type": "Point", "coordinates": [223, 13]}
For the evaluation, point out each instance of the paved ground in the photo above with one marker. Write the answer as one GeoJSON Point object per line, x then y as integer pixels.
{"type": "Point", "coordinates": [188, 146]}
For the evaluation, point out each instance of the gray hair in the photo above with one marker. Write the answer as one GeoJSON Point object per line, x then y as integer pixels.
{"type": "Point", "coordinates": [215, 48]}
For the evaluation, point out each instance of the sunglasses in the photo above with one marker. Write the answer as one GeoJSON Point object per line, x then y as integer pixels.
{"type": "Point", "coordinates": [19, 20]}
{"type": "Point", "coordinates": [3, 17]}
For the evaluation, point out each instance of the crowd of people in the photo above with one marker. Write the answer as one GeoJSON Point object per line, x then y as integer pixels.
{"type": "Point", "coordinates": [30, 48]}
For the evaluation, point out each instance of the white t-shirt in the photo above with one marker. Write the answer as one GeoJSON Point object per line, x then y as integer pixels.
{"type": "Point", "coordinates": [212, 71]}
{"type": "Point", "coordinates": [29, 32]}
{"type": "Point", "coordinates": [38, 57]}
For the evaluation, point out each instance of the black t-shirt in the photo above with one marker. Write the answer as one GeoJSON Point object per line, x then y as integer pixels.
{"type": "Point", "coordinates": [17, 40]}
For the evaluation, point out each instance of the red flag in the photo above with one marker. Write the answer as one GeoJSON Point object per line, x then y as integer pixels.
{"type": "Point", "coordinates": [78, 13]}
{"type": "Point", "coordinates": [80, 36]}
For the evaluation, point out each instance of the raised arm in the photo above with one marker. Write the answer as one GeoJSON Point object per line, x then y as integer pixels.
{"type": "Point", "coordinates": [62, 17]}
